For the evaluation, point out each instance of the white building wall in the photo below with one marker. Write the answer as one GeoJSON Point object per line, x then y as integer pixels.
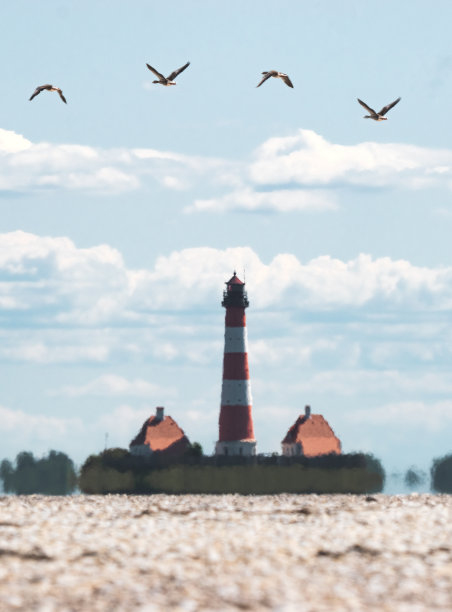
{"type": "Point", "coordinates": [291, 450]}
{"type": "Point", "coordinates": [236, 447]}
{"type": "Point", "coordinates": [141, 450]}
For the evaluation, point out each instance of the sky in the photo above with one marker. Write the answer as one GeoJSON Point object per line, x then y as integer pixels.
{"type": "Point", "coordinates": [123, 213]}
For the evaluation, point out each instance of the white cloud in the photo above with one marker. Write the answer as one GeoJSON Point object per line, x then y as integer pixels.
{"type": "Point", "coordinates": [113, 385]}
{"type": "Point", "coordinates": [51, 280]}
{"type": "Point", "coordinates": [303, 170]}
{"type": "Point", "coordinates": [63, 305]}
{"type": "Point", "coordinates": [27, 166]}
{"type": "Point", "coordinates": [43, 353]}
{"type": "Point", "coordinates": [323, 282]}
{"type": "Point", "coordinates": [124, 422]}
{"type": "Point", "coordinates": [24, 431]}
{"type": "Point", "coordinates": [351, 381]}
{"type": "Point", "coordinates": [10, 142]}
{"type": "Point", "coordinates": [308, 159]}
{"type": "Point", "coordinates": [265, 201]}
{"type": "Point", "coordinates": [174, 182]}
{"type": "Point", "coordinates": [277, 351]}
{"type": "Point", "coordinates": [431, 416]}
{"type": "Point", "coordinates": [36, 427]}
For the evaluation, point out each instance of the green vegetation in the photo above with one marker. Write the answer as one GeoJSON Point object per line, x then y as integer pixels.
{"type": "Point", "coordinates": [51, 475]}
{"type": "Point", "coordinates": [414, 477]}
{"type": "Point", "coordinates": [117, 471]}
{"type": "Point", "coordinates": [113, 471]}
{"type": "Point", "coordinates": [194, 450]}
{"type": "Point", "coordinates": [262, 480]}
{"type": "Point", "coordinates": [442, 474]}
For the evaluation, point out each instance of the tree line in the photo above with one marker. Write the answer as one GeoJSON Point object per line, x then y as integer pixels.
{"type": "Point", "coordinates": [53, 474]}
{"type": "Point", "coordinates": [56, 474]}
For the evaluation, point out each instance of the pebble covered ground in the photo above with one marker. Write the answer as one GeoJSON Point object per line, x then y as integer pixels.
{"type": "Point", "coordinates": [229, 552]}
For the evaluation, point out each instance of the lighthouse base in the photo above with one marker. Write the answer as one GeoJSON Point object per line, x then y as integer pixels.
{"type": "Point", "coordinates": [245, 448]}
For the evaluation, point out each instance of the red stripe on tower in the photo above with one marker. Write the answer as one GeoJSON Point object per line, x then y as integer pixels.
{"type": "Point", "coordinates": [236, 423]}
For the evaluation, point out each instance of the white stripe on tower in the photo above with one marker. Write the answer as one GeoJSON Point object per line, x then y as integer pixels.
{"type": "Point", "coordinates": [235, 340]}
{"type": "Point", "coordinates": [236, 393]}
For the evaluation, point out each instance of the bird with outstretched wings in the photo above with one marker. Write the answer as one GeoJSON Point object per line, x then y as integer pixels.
{"type": "Point", "coordinates": [47, 88]}
{"type": "Point", "coordinates": [276, 75]}
{"type": "Point", "coordinates": [169, 80]}
{"type": "Point", "coordinates": [380, 116]}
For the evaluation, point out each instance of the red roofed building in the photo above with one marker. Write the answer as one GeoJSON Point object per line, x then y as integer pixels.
{"type": "Point", "coordinates": [160, 434]}
{"type": "Point", "coordinates": [310, 436]}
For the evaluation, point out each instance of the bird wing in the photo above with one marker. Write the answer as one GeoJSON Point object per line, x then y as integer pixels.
{"type": "Point", "coordinates": [388, 107]}
{"type": "Point", "coordinates": [61, 95]}
{"type": "Point", "coordinates": [38, 90]}
{"type": "Point", "coordinates": [368, 109]}
{"type": "Point", "coordinates": [286, 80]}
{"type": "Point", "coordinates": [266, 76]}
{"type": "Point", "coordinates": [35, 93]}
{"type": "Point", "coordinates": [174, 74]}
{"type": "Point", "coordinates": [156, 72]}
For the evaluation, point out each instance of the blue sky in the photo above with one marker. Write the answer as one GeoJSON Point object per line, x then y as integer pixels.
{"type": "Point", "coordinates": [123, 212]}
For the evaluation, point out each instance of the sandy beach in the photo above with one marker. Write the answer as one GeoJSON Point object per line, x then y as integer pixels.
{"type": "Point", "coordinates": [282, 553]}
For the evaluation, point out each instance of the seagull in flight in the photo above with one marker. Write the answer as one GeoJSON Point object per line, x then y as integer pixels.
{"type": "Point", "coordinates": [277, 75]}
{"type": "Point", "coordinates": [169, 80]}
{"type": "Point", "coordinates": [49, 88]}
{"type": "Point", "coordinates": [380, 116]}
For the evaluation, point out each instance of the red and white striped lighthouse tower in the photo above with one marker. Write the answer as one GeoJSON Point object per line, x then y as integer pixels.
{"type": "Point", "coordinates": [236, 423]}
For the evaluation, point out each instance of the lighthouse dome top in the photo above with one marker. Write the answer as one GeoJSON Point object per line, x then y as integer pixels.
{"type": "Point", "coordinates": [235, 294]}
{"type": "Point", "coordinates": [234, 280]}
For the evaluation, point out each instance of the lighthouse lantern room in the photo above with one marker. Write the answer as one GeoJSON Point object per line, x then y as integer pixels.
{"type": "Point", "coordinates": [236, 435]}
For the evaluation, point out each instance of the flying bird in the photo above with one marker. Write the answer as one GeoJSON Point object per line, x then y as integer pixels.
{"type": "Point", "coordinates": [169, 80]}
{"type": "Point", "coordinates": [380, 116]}
{"type": "Point", "coordinates": [276, 75]}
{"type": "Point", "coordinates": [49, 88]}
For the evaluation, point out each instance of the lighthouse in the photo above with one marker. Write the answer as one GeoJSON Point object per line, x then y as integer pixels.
{"type": "Point", "coordinates": [236, 435]}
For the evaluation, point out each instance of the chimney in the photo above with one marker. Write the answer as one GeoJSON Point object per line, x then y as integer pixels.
{"type": "Point", "coordinates": [307, 412]}
{"type": "Point", "coordinates": [159, 413]}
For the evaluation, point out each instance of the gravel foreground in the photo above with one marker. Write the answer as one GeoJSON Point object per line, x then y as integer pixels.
{"type": "Point", "coordinates": [226, 552]}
